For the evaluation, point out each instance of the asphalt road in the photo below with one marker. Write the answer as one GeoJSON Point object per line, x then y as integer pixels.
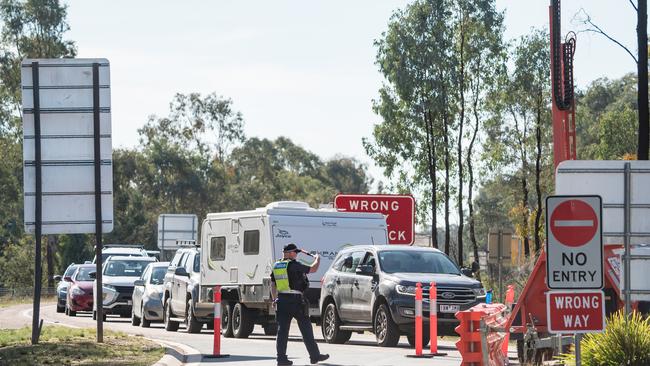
{"type": "Point", "coordinates": [258, 349]}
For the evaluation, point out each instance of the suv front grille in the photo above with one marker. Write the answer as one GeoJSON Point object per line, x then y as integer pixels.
{"type": "Point", "coordinates": [125, 292]}
{"type": "Point", "coordinates": [451, 295]}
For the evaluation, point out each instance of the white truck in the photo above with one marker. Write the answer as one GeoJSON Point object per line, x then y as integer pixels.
{"type": "Point", "coordinates": [239, 249]}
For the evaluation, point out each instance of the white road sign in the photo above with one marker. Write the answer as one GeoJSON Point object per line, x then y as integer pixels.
{"type": "Point", "coordinates": [574, 242]}
{"type": "Point", "coordinates": [173, 227]}
{"type": "Point", "coordinates": [66, 95]}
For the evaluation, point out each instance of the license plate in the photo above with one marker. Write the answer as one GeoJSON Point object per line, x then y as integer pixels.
{"type": "Point", "coordinates": [449, 308]}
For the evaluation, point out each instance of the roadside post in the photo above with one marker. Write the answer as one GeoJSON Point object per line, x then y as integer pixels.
{"type": "Point", "coordinates": [216, 349]}
{"type": "Point", "coordinates": [433, 320]}
{"type": "Point", "coordinates": [574, 266]}
{"type": "Point", "coordinates": [67, 157]}
{"type": "Point", "coordinates": [418, 323]}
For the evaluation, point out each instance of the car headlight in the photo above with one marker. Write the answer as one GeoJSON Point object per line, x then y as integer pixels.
{"type": "Point", "coordinates": [76, 291]}
{"type": "Point", "coordinates": [405, 290]}
{"type": "Point", "coordinates": [479, 291]}
{"type": "Point", "coordinates": [109, 294]}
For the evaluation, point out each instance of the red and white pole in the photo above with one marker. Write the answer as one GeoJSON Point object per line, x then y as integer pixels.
{"type": "Point", "coordinates": [418, 319]}
{"type": "Point", "coordinates": [510, 298]}
{"type": "Point", "coordinates": [433, 318]}
{"type": "Point", "coordinates": [216, 350]}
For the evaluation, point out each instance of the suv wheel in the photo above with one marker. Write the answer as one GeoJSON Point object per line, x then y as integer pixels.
{"type": "Point", "coordinates": [242, 322]}
{"type": "Point", "coordinates": [425, 339]}
{"type": "Point", "coordinates": [170, 325]}
{"type": "Point", "coordinates": [386, 330]}
{"type": "Point", "coordinates": [331, 326]}
{"type": "Point", "coordinates": [226, 319]}
{"type": "Point", "coordinates": [60, 309]}
{"type": "Point", "coordinates": [135, 321]}
{"type": "Point", "coordinates": [193, 325]}
{"type": "Point", "coordinates": [144, 323]}
{"type": "Point", "coordinates": [70, 312]}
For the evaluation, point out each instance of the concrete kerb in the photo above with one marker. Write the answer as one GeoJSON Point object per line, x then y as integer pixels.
{"type": "Point", "coordinates": [176, 353]}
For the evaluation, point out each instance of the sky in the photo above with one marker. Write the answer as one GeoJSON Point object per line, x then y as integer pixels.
{"type": "Point", "coordinates": [301, 69]}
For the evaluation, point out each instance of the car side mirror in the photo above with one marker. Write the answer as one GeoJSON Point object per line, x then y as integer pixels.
{"type": "Point", "coordinates": [466, 271]}
{"type": "Point", "coordinates": [181, 271]}
{"type": "Point", "coordinates": [67, 279]}
{"type": "Point", "coordinates": [57, 278]}
{"type": "Point", "coordinates": [138, 283]}
{"type": "Point", "coordinates": [92, 275]}
{"type": "Point", "coordinates": [365, 270]}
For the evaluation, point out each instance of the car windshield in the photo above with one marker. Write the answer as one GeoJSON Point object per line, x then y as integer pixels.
{"type": "Point", "coordinates": [127, 268]}
{"type": "Point", "coordinates": [158, 275]}
{"type": "Point", "coordinates": [70, 271]}
{"type": "Point", "coordinates": [393, 261]}
{"type": "Point", "coordinates": [84, 274]}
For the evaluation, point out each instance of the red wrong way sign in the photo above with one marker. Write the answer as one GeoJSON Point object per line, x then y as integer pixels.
{"type": "Point", "coordinates": [575, 311]}
{"type": "Point", "coordinates": [399, 211]}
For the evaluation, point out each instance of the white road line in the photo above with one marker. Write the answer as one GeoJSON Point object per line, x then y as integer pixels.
{"type": "Point", "coordinates": [28, 314]}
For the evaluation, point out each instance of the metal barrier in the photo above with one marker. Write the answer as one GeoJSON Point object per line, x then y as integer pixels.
{"type": "Point", "coordinates": [25, 292]}
{"type": "Point", "coordinates": [482, 334]}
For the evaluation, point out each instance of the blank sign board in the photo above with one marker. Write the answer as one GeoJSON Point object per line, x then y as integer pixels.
{"type": "Point", "coordinates": [173, 227]}
{"type": "Point", "coordinates": [65, 90]}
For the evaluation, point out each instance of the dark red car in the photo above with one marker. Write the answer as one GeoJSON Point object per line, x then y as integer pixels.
{"type": "Point", "coordinates": [80, 292]}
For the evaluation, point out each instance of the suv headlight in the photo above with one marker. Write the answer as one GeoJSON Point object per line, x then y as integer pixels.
{"type": "Point", "coordinates": [76, 291]}
{"type": "Point", "coordinates": [405, 290]}
{"type": "Point", "coordinates": [109, 294]}
{"type": "Point", "coordinates": [479, 291]}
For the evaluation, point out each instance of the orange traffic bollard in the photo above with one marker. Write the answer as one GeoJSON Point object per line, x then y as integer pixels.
{"type": "Point", "coordinates": [418, 322]}
{"type": "Point", "coordinates": [433, 320]}
{"type": "Point", "coordinates": [216, 350]}
{"type": "Point", "coordinates": [510, 298]}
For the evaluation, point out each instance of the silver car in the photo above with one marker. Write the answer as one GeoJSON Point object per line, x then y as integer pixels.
{"type": "Point", "coordinates": [147, 295]}
{"type": "Point", "coordinates": [62, 287]}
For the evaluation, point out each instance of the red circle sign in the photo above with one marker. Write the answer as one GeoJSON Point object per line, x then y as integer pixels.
{"type": "Point", "coordinates": [574, 223]}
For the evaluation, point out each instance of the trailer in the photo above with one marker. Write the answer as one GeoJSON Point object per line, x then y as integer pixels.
{"type": "Point", "coordinates": [239, 249]}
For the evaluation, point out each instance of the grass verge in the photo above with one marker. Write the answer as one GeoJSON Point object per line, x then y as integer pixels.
{"type": "Point", "coordinates": [6, 301]}
{"type": "Point", "coordinates": [67, 346]}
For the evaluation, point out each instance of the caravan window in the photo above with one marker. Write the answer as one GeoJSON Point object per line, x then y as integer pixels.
{"type": "Point", "coordinates": [252, 242]}
{"type": "Point", "coordinates": [218, 248]}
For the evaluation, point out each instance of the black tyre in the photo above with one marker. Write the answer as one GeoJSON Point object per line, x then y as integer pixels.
{"type": "Point", "coordinates": [60, 309]}
{"type": "Point", "coordinates": [209, 325]}
{"type": "Point", "coordinates": [170, 325]}
{"type": "Point", "coordinates": [242, 322]}
{"type": "Point", "coordinates": [226, 320]}
{"type": "Point", "coordinates": [386, 330]}
{"type": "Point", "coordinates": [193, 324]}
{"type": "Point", "coordinates": [144, 323]}
{"type": "Point", "coordinates": [95, 316]}
{"type": "Point", "coordinates": [330, 328]}
{"type": "Point", "coordinates": [135, 321]}
{"type": "Point", "coordinates": [71, 313]}
{"type": "Point", "coordinates": [270, 329]}
{"type": "Point", "coordinates": [425, 339]}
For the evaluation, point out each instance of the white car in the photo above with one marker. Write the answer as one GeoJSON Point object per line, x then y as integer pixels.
{"type": "Point", "coordinates": [118, 277]}
{"type": "Point", "coordinates": [124, 250]}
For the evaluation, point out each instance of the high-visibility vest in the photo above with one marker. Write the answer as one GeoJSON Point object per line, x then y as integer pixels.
{"type": "Point", "coordinates": [281, 275]}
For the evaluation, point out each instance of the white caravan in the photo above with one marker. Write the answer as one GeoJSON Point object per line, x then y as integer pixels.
{"type": "Point", "coordinates": [238, 250]}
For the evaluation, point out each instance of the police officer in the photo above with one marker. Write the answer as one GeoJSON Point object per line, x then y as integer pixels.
{"type": "Point", "coordinates": [288, 284]}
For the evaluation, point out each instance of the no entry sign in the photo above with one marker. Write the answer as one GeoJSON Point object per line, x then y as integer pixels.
{"type": "Point", "coordinates": [399, 211]}
{"type": "Point", "coordinates": [575, 311]}
{"type": "Point", "coordinates": [574, 242]}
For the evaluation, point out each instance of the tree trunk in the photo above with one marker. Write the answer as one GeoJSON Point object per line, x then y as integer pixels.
{"type": "Point", "coordinates": [446, 142]}
{"type": "Point", "coordinates": [49, 256]}
{"type": "Point", "coordinates": [461, 122]}
{"type": "Point", "coordinates": [470, 168]}
{"type": "Point", "coordinates": [431, 155]}
{"type": "Point", "coordinates": [538, 170]}
{"type": "Point", "coordinates": [524, 201]}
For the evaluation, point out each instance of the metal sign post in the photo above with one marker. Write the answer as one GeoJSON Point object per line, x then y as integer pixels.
{"type": "Point", "coordinates": [67, 141]}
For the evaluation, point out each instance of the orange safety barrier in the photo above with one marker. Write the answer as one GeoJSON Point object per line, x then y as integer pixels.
{"type": "Point", "coordinates": [510, 298]}
{"type": "Point", "coordinates": [216, 349]}
{"type": "Point", "coordinates": [480, 344]}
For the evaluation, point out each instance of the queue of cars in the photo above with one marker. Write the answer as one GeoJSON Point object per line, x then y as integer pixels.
{"type": "Point", "coordinates": [368, 288]}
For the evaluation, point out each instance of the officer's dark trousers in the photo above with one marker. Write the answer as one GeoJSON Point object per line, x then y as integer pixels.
{"type": "Point", "coordinates": [291, 307]}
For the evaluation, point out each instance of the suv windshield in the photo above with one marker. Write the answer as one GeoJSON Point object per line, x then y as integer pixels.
{"type": "Point", "coordinates": [393, 261]}
{"type": "Point", "coordinates": [128, 268]}
{"type": "Point", "coordinates": [84, 274]}
{"type": "Point", "coordinates": [158, 275]}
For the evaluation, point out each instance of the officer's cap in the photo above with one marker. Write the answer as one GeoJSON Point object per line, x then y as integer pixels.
{"type": "Point", "coordinates": [291, 248]}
